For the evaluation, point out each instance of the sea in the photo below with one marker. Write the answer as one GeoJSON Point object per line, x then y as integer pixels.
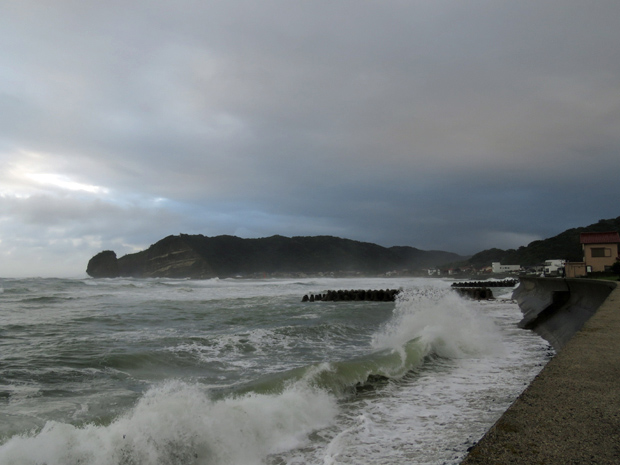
{"type": "Point", "coordinates": [241, 371]}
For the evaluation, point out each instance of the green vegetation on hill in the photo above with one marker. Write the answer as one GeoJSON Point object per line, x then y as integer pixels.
{"type": "Point", "coordinates": [198, 256]}
{"type": "Point", "coordinates": [231, 255]}
{"type": "Point", "coordinates": [565, 246]}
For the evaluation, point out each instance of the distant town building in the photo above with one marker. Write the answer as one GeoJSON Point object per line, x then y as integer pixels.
{"type": "Point", "coordinates": [575, 269]}
{"type": "Point", "coordinates": [554, 267]}
{"type": "Point", "coordinates": [600, 252]}
{"type": "Point", "coordinates": [497, 267]}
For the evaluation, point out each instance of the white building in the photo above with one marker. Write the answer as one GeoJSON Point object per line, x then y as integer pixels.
{"type": "Point", "coordinates": [499, 268]}
{"type": "Point", "coordinates": [554, 267]}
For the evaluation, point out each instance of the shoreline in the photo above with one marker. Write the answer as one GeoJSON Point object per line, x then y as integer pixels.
{"type": "Point", "coordinates": [570, 413]}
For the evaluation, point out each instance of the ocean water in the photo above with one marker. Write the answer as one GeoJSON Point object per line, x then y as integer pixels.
{"type": "Point", "coordinates": [237, 372]}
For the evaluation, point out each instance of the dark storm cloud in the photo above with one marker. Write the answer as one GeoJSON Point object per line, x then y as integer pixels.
{"type": "Point", "coordinates": [441, 125]}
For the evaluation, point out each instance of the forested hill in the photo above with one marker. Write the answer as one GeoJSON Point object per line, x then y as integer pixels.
{"type": "Point", "coordinates": [198, 256]}
{"type": "Point", "coordinates": [565, 245]}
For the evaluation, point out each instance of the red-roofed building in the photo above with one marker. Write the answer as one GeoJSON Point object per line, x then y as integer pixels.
{"type": "Point", "coordinates": [600, 250]}
{"type": "Point", "coordinates": [600, 237]}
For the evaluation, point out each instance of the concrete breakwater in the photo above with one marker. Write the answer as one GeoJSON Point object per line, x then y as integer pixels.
{"type": "Point", "coordinates": [382, 295]}
{"type": "Point", "coordinates": [476, 293]}
{"type": "Point", "coordinates": [503, 283]}
{"type": "Point", "coordinates": [480, 290]}
{"type": "Point", "coordinates": [570, 413]}
{"type": "Point", "coordinates": [386, 295]}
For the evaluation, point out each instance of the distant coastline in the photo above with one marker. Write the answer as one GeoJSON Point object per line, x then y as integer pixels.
{"type": "Point", "coordinates": [201, 257]}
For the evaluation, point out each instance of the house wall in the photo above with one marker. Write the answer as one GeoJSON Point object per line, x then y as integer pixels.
{"type": "Point", "coordinates": [599, 263]}
{"type": "Point", "coordinates": [499, 268]}
{"type": "Point", "coordinates": [575, 269]}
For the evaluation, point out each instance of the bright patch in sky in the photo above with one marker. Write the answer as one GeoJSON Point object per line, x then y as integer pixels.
{"type": "Point", "coordinates": [34, 171]}
{"type": "Point", "coordinates": [64, 182]}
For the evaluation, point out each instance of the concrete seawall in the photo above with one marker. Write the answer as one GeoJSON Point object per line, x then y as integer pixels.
{"type": "Point", "coordinates": [558, 308]}
{"type": "Point", "coordinates": [570, 413]}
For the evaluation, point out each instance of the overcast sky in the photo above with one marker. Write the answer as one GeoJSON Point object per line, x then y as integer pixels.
{"type": "Point", "coordinates": [448, 125]}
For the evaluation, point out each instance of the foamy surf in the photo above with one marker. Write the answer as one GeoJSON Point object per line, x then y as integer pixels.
{"type": "Point", "coordinates": [178, 423]}
{"type": "Point", "coordinates": [445, 325]}
{"type": "Point", "coordinates": [233, 372]}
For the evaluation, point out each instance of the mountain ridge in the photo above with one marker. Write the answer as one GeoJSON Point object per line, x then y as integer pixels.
{"type": "Point", "coordinates": [202, 257]}
{"type": "Point", "coordinates": [565, 245]}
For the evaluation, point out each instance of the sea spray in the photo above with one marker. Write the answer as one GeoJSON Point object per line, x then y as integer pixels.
{"type": "Point", "coordinates": [439, 321]}
{"type": "Point", "coordinates": [463, 387]}
{"type": "Point", "coordinates": [177, 423]}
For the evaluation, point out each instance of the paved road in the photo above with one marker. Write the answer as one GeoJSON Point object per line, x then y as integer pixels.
{"type": "Point", "coordinates": [570, 414]}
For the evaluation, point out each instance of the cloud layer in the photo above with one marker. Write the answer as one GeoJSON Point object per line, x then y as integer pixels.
{"type": "Point", "coordinates": [441, 125]}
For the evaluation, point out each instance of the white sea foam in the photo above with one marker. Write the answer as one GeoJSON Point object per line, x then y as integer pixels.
{"type": "Point", "coordinates": [18, 394]}
{"type": "Point", "coordinates": [178, 423]}
{"type": "Point", "coordinates": [230, 348]}
{"type": "Point", "coordinates": [446, 324]}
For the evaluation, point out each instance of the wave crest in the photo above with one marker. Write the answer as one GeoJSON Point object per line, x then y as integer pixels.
{"type": "Point", "coordinates": [178, 422]}
{"type": "Point", "coordinates": [443, 323]}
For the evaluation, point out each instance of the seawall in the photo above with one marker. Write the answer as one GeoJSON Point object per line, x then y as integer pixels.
{"type": "Point", "coordinates": [558, 308]}
{"type": "Point", "coordinates": [570, 413]}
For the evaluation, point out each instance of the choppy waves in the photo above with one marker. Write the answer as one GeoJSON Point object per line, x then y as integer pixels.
{"type": "Point", "coordinates": [286, 384]}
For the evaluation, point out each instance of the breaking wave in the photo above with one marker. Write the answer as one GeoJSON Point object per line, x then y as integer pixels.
{"type": "Point", "coordinates": [178, 422]}
{"type": "Point", "coordinates": [181, 422]}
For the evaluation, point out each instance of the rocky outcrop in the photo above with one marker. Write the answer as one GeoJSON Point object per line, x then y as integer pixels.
{"type": "Point", "coordinates": [103, 265]}
{"type": "Point", "coordinates": [172, 257]}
